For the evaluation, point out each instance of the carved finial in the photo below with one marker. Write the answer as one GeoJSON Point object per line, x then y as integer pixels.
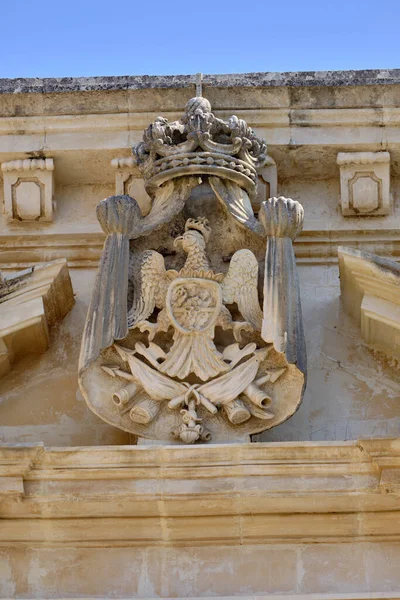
{"type": "Point", "coordinates": [199, 84]}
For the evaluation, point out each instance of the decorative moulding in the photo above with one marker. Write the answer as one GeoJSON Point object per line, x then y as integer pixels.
{"type": "Point", "coordinates": [28, 189]}
{"type": "Point", "coordinates": [236, 494]}
{"type": "Point", "coordinates": [364, 183]}
{"type": "Point", "coordinates": [128, 180]}
{"type": "Point", "coordinates": [370, 291]}
{"type": "Point", "coordinates": [30, 303]}
{"type": "Point", "coordinates": [83, 249]}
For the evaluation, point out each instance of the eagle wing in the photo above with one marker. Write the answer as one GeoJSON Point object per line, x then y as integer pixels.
{"type": "Point", "coordinates": [240, 285]}
{"type": "Point", "coordinates": [150, 283]}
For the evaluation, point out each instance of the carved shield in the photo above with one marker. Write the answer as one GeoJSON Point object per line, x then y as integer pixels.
{"type": "Point", "coordinates": [193, 304]}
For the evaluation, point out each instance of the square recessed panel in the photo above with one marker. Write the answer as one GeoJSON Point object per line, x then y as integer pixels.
{"type": "Point", "coordinates": [27, 200]}
{"type": "Point", "coordinates": [364, 183]}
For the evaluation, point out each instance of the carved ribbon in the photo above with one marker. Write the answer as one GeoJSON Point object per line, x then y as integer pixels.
{"type": "Point", "coordinates": [282, 325]}
{"type": "Point", "coordinates": [237, 202]}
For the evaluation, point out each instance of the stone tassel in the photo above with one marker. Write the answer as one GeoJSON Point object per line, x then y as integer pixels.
{"type": "Point", "coordinates": [282, 219]}
{"type": "Point", "coordinates": [107, 318]}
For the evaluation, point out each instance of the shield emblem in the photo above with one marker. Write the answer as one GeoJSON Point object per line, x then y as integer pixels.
{"type": "Point", "coordinates": [193, 304]}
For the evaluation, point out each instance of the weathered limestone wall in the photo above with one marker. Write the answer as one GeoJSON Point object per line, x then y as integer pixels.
{"type": "Point", "coordinates": [113, 520]}
{"type": "Point", "coordinates": [352, 391]}
{"type": "Point", "coordinates": [354, 570]}
{"type": "Point", "coordinates": [234, 521]}
{"type": "Point", "coordinates": [40, 397]}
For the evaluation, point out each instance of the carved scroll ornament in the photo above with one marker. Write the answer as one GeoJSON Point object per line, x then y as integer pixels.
{"type": "Point", "coordinates": [200, 359]}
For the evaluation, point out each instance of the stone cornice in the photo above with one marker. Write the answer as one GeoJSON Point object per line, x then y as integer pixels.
{"type": "Point", "coordinates": [346, 596]}
{"type": "Point", "coordinates": [362, 158]}
{"type": "Point", "coordinates": [262, 79]}
{"type": "Point", "coordinates": [317, 134]}
{"type": "Point", "coordinates": [237, 494]}
{"type": "Point", "coordinates": [80, 249]}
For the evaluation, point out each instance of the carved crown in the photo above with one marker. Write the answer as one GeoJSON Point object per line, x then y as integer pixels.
{"type": "Point", "coordinates": [200, 143]}
{"type": "Point", "coordinates": [199, 224]}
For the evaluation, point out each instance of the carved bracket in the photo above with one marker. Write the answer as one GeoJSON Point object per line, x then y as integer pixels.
{"type": "Point", "coordinates": [28, 189]}
{"type": "Point", "coordinates": [364, 183]}
{"type": "Point", "coordinates": [129, 181]}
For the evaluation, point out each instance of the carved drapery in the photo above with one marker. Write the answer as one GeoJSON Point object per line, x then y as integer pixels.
{"type": "Point", "coordinates": [237, 203]}
{"type": "Point", "coordinates": [282, 219]}
{"type": "Point", "coordinates": [107, 318]}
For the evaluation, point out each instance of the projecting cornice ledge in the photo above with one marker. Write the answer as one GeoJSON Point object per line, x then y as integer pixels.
{"type": "Point", "coordinates": [239, 494]}
{"type": "Point", "coordinates": [370, 291]}
{"type": "Point", "coordinates": [30, 303]}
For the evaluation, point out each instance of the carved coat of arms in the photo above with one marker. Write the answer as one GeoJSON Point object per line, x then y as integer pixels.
{"type": "Point", "coordinates": [186, 351]}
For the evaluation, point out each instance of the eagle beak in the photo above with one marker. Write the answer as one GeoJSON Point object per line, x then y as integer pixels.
{"type": "Point", "coordinates": [178, 241]}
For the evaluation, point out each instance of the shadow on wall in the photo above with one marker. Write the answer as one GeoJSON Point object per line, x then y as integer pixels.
{"type": "Point", "coordinates": [352, 391]}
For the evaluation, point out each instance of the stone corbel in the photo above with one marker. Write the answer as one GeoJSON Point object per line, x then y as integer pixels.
{"type": "Point", "coordinates": [364, 183]}
{"type": "Point", "coordinates": [28, 189]}
{"type": "Point", "coordinates": [129, 181]}
{"type": "Point", "coordinates": [370, 291]}
{"type": "Point", "coordinates": [29, 305]}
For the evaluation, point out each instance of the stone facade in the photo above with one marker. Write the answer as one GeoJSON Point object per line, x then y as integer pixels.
{"type": "Point", "coordinates": [309, 510]}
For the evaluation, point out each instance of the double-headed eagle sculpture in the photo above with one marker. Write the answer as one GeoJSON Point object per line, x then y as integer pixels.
{"type": "Point", "coordinates": [201, 359]}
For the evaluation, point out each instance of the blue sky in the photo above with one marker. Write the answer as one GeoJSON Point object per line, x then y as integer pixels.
{"type": "Point", "coordinates": [87, 37]}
